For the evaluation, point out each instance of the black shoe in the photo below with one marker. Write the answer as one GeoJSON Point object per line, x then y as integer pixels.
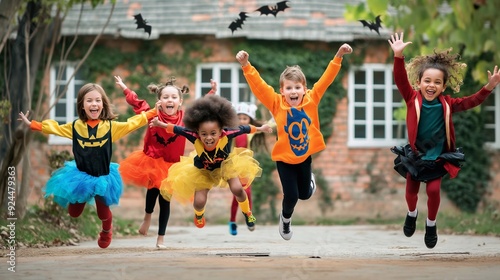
{"type": "Point", "coordinates": [250, 220]}
{"type": "Point", "coordinates": [410, 225]}
{"type": "Point", "coordinates": [431, 237]}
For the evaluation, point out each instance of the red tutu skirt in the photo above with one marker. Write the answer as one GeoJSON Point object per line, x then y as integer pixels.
{"type": "Point", "coordinates": [141, 170]}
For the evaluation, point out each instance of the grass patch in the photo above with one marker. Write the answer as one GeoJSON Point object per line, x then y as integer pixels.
{"type": "Point", "coordinates": [51, 225]}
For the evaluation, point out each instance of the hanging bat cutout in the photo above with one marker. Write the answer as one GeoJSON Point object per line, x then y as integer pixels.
{"type": "Point", "coordinates": [238, 22]}
{"type": "Point", "coordinates": [142, 23]}
{"type": "Point", "coordinates": [373, 25]}
{"type": "Point", "coordinates": [273, 10]}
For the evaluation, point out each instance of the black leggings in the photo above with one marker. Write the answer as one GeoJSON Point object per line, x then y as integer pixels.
{"type": "Point", "coordinates": [151, 196]}
{"type": "Point", "coordinates": [296, 182]}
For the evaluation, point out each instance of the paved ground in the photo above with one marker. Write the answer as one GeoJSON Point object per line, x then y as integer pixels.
{"type": "Point", "coordinates": [315, 252]}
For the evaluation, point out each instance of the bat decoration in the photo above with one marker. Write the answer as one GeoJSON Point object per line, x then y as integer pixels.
{"type": "Point", "coordinates": [160, 139]}
{"type": "Point", "coordinates": [238, 22]}
{"type": "Point", "coordinates": [267, 10]}
{"type": "Point", "coordinates": [373, 25]}
{"type": "Point", "coordinates": [142, 23]}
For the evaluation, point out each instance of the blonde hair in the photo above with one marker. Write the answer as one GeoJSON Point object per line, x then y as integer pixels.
{"type": "Point", "coordinates": [453, 71]}
{"type": "Point", "coordinates": [293, 73]}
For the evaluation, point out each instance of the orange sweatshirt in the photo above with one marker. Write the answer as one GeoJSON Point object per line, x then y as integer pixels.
{"type": "Point", "coordinates": [298, 128]}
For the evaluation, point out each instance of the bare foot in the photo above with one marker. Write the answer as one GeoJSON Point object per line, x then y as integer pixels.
{"type": "Point", "coordinates": [159, 242]}
{"type": "Point", "coordinates": [145, 224]}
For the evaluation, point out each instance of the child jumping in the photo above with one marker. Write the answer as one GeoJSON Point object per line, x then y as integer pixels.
{"type": "Point", "coordinates": [431, 152]}
{"type": "Point", "coordinates": [295, 111]}
{"type": "Point", "coordinates": [208, 124]}
{"type": "Point", "coordinates": [92, 175]}
{"type": "Point", "coordinates": [149, 166]}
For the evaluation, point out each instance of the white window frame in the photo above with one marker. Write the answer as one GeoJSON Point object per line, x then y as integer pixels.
{"type": "Point", "coordinates": [235, 83]}
{"type": "Point", "coordinates": [369, 86]}
{"type": "Point", "coordinates": [71, 94]}
{"type": "Point", "coordinates": [496, 125]}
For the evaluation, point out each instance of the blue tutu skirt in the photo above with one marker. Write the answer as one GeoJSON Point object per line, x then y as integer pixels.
{"type": "Point", "coordinates": [68, 185]}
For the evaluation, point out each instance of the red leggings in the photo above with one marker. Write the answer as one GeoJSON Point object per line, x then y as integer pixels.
{"type": "Point", "coordinates": [103, 212]}
{"type": "Point", "coordinates": [234, 205]}
{"type": "Point", "coordinates": [433, 195]}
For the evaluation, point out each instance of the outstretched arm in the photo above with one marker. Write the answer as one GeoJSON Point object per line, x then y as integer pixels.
{"type": "Point", "coordinates": [493, 79]}
{"type": "Point", "coordinates": [397, 44]}
{"type": "Point", "coordinates": [139, 105]}
{"type": "Point", "coordinates": [264, 128]}
{"type": "Point", "coordinates": [24, 118]}
{"type": "Point", "coordinates": [344, 49]}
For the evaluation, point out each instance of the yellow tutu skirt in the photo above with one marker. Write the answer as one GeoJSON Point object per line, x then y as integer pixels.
{"type": "Point", "coordinates": [141, 170]}
{"type": "Point", "coordinates": [184, 178]}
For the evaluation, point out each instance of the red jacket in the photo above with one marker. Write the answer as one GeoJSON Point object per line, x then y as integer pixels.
{"type": "Point", "coordinates": [450, 105]}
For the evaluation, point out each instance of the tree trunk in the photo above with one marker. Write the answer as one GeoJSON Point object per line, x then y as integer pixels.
{"type": "Point", "coordinates": [8, 9]}
{"type": "Point", "coordinates": [19, 89]}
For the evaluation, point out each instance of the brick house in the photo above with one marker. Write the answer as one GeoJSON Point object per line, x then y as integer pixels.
{"type": "Point", "coordinates": [357, 163]}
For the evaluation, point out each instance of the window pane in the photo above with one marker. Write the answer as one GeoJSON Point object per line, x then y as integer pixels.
{"type": "Point", "coordinates": [378, 95]}
{"type": "Point", "coordinates": [205, 90]}
{"type": "Point", "coordinates": [61, 109]}
{"type": "Point", "coordinates": [359, 77]}
{"type": "Point", "coordinates": [359, 113]}
{"type": "Point", "coordinates": [379, 113]}
{"type": "Point", "coordinates": [489, 117]}
{"type": "Point", "coordinates": [359, 95]}
{"type": "Point", "coordinates": [60, 71]}
{"type": "Point", "coordinates": [60, 89]}
{"type": "Point", "coordinates": [241, 76]}
{"type": "Point", "coordinates": [489, 134]}
{"type": "Point", "coordinates": [206, 75]}
{"type": "Point", "coordinates": [225, 76]}
{"type": "Point", "coordinates": [396, 96]}
{"type": "Point", "coordinates": [398, 131]}
{"type": "Point", "coordinates": [378, 77]}
{"type": "Point", "coordinates": [245, 94]}
{"type": "Point", "coordinates": [359, 131]}
{"type": "Point", "coordinates": [226, 92]}
{"type": "Point", "coordinates": [378, 131]}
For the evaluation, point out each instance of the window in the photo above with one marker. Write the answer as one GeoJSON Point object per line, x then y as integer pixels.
{"type": "Point", "coordinates": [373, 101]}
{"type": "Point", "coordinates": [231, 83]}
{"type": "Point", "coordinates": [64, 110]}
{"type": "Point", "coordinates": [492, 119]}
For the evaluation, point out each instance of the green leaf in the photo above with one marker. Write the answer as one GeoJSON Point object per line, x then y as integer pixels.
{"type": "Point", "coordinates": [377, 6]}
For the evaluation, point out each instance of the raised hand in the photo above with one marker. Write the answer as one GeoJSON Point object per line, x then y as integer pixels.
{"type": "Point", "coordinates": [24, 118]}
{"type": "Point", "coordinates": [493, 78]}
{"type": "Point", "coordinates": [213, 85]}
{"type": "Point", "coordinates": [120, 83]}
{"type": "Point", "coordinates": [344, 49]}
{"type": "Point", "coordinates": [242, 57]}
{"type": "Point", "coordinates": [397, 44]}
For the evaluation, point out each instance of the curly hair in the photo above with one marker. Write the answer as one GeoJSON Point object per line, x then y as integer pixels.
{"type": "Point", "coordinates": [210, 108]}
{"type": "Point", "coordinates": [453, 71]}
{"type": "Point", "coordinates": [157, 89]}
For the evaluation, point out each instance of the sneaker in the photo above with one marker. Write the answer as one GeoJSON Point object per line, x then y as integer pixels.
{"type": "Point", "coordinates": [250, 220]}
{"type": "Point", "coordinates": [313, 184]}
{"type": "Point", "coordinates": [104, 238]}
{"type": "Point", "coordinates": [199, 221]}
{"type": "Point", "coordinates": [410, 225]}
{"type": "Point", "coordinates": [430, 237]}
{"type": "Point", "coordinates": [233, 228]}
{"type": "Point", "coordinates": [285, 230]}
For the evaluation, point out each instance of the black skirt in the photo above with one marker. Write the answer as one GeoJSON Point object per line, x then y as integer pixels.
{"type": "Point", "coordinates": [424, 170]}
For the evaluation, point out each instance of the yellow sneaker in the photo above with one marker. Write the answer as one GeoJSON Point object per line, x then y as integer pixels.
{"type": "Point", "coordinates": [250, 220]}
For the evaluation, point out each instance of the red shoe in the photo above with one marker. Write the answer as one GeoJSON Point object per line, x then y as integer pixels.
{"type": "Point", "coordinates": [199, 221]}
{"type": "Point", "coordinates": [104, 239]}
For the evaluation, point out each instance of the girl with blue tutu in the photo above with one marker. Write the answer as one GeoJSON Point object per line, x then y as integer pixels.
{"type": "Point", "coordinates": [146, 168]}
{"type": "Point", "coordinates": [91, 176]}
{"type": "Point", "coordinates": [208, 125]}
